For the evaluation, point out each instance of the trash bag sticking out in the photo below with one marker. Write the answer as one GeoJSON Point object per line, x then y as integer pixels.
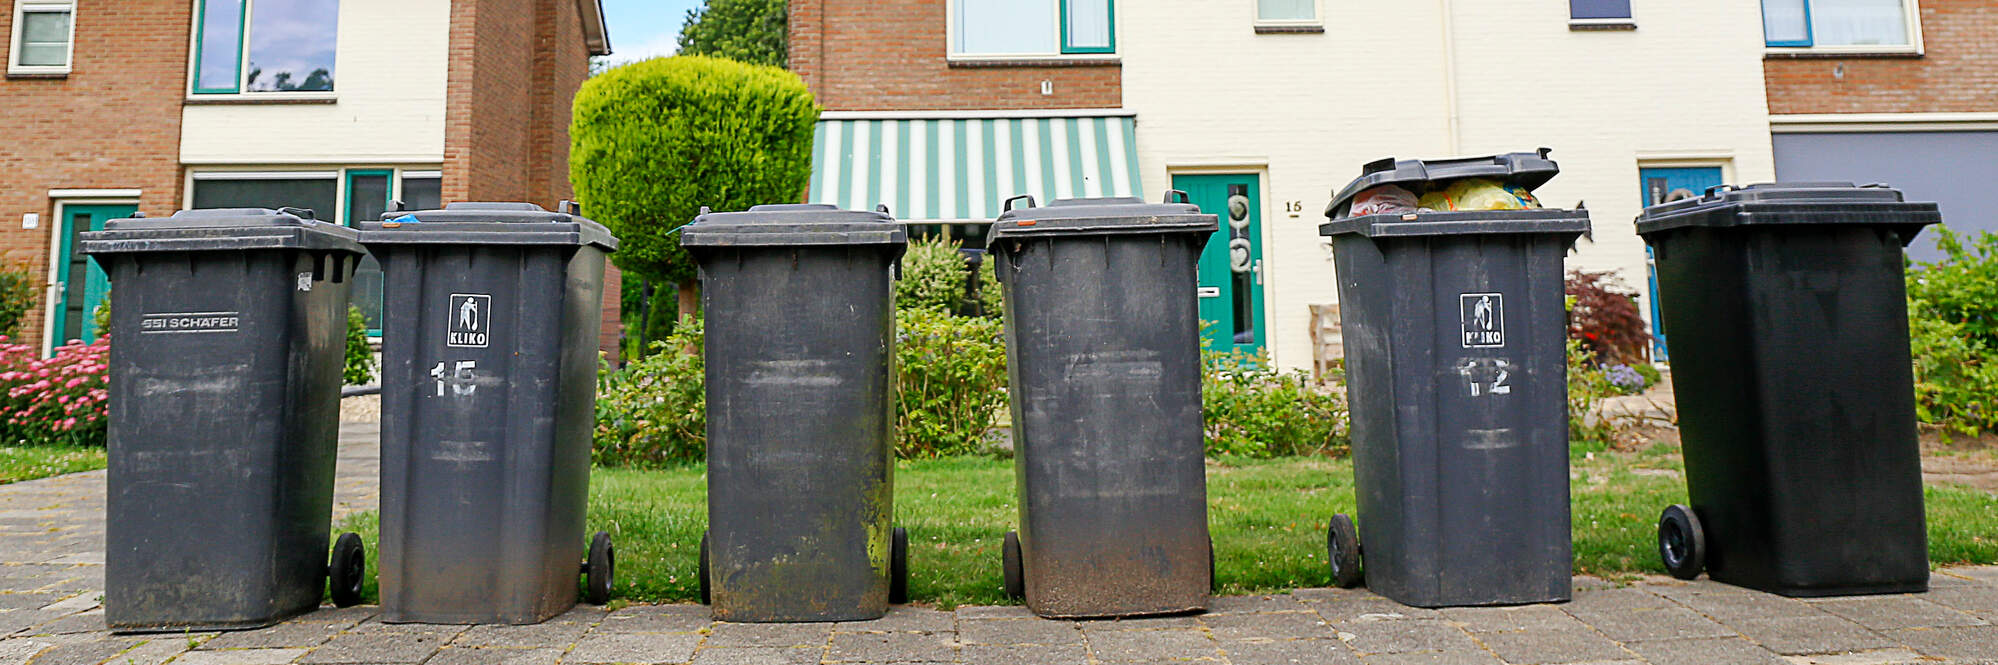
{"type": "Point", "coordinates": [1383, 200]}
{"type": "Point", "coordinates": [1481, 194]}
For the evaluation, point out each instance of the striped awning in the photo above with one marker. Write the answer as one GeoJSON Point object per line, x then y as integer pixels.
{"type": "Point", "coordinates": [963, 167]}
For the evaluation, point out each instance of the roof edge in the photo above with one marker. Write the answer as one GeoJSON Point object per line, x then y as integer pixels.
{"type": "Point", "coordinates": [596, 33]}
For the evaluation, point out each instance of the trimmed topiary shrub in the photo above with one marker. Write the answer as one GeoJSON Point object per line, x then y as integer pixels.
{"type": "Point", "coordinates": [359, 368]}
{"type": "Point", "coordinates": [935, 277]}
{"type": "Point", "coordinates": [653, 141]}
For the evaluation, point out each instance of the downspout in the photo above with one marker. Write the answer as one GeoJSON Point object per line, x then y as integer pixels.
{"type": "Point", "coordinates": [1455, 133]}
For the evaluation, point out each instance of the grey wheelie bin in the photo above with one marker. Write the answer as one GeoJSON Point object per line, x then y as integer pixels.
{"type": "Point", "coordinates": [1455, 334]}
{"type": "Point", "coordinates": [224, 415]}
{"type": "Point", "coordinates": [799, 309]}
{"type": "Point", "coordinates": [1103, 357]}
{"type": "Point", "coordinates": [489, 375]}
{"type": "Point", "coordinates": [1789, 345]}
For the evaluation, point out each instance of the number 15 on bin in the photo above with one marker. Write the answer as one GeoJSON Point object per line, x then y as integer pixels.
{"type": "Point", "coordinates": [460, 378]}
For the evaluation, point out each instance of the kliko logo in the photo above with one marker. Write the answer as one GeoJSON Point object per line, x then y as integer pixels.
{"type": "Point", "coordinates": [470, 319]}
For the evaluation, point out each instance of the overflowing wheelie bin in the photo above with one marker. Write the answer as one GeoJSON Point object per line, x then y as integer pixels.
{"type": "Point", "coordinates": [1450, 284]}
{"type": "Point", "coordinates": [489, 368]}
{"type": "Point", "coordinates": [224, 418]}
{"type": "Point", "coordinates": [1103, 357]}
{"type": "Point", "coordinates": [1791, 371]}
{"type": "Point", "coordinates": [798, 302]}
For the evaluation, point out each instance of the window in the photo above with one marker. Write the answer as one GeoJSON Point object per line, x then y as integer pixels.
{"type": "Point", "coordinates": [1286, 11]}
{"type": "Point", "coordinates": [43, 33]}
{"type": "Point", "coordinates": [261, 46]}
{"type": "Point", "coordinates": [1597, 10]}
{"type": "Point", "coordinates": [315, 191]}
{"type": "Point", "coordinates": [1033, 28]}
{"type": "Point", "coordinates": [1839, 24]}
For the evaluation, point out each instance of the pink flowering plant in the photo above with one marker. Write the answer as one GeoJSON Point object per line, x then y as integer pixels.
{"type": "Point", "coordinates": [56, 400]}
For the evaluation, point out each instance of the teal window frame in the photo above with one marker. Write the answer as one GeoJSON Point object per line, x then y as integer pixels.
{"type": "Point", "coordinates": [201, 39]}
{"type": "Point", "coordinates": [394, 178]}
{"type": "Point", "coordinates": [1110, 16]}
{"type": "Point", "coordinates": [1810, 37]}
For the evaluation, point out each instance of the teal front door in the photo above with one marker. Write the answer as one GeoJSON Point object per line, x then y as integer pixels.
{"type": "Point", "coordinates": [1664, 185]}
{"type": "Point", "coordinates": [80, 284]}
{"type": "Point", "coordinates": [1231, 266]}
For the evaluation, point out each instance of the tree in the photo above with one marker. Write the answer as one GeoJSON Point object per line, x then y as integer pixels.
{"type": "Point", "coordinates": [651, 142]}
{"type": "Point", "coordinates": [751, 31]}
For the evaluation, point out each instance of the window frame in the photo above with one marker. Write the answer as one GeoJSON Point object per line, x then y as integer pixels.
{"type": "Point", "coordinates": [1626, 22]}
{"type": "Point", "coordinates": [1911, 13]}
{"type": "Point", "coordinates": [1317, 17]}
{"type": "Point", "coordinates": [15, 34]}
{"type": "Point", "coordinates": [198, 37]}
{"type": "Point", "coordinates": [1062, 51]}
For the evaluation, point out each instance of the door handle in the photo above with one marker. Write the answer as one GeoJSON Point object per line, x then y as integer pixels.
{"type": "Point", "coordinates": [1258, 268]}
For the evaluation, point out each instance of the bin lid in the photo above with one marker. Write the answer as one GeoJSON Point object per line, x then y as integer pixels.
{"type": "Point", "coordinates": [788, 224]}
{"type": "Point", "coordinates": [1526, 169]}
{"type": "Point", "coordinates": [220, 229]}
{"type": "Point", "coordinates": [487, 223]}
{"type": "Point", "coordinates": [1461, 222]}
{"type": "Point", "coordinates": [1816, 203]}
{"type": "Point", "coordinates": [1100, 216]}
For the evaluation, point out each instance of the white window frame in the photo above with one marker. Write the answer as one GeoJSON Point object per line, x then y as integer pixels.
{"type": "Point", "coordinates": [951, 53]}
{"type": "Point", "coordinates": [1317, 19]}
{"type": "Point", "coordinates": [194, 38]}
{"type": "Point", "coordinates": [21, 9]}
{"type": "Point", "coordinates": [1911, 9]}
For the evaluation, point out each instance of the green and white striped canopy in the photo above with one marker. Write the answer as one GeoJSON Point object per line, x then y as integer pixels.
{"type": "Point", "coordinates": [964, 168]}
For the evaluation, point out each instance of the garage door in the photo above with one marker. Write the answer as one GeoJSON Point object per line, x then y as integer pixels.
{"type": "Point", "coordinates": [1958, 170]}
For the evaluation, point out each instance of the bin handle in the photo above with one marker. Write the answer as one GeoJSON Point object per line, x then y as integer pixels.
{"type": "Point", "coordinates": [1182, 196]}
{"type": "Point", "coordinates": [1029, 198]}
{"type": "Point", "coordinates": [1876, 185]}
{"type": "Point", "coordinates": [1717, 189]}
{"type": "Point", "coordinates": [883, 209]}
{"type": "Point", "coordinates": [301, 213]}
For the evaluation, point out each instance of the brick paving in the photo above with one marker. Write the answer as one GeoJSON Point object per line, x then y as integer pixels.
{"type": "Point", "coordinates": [51, 576]}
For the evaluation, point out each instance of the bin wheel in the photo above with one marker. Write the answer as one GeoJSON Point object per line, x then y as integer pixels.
{"type": "Point", "coordinates": [350, 565]}
{"type": "Point", "coordinates": [898, 567]}
{"type": "Point", "coordinates": [1682, 543]}
{"type": "Point", "coordinates": [1016, 577]}
{"type": "Point", "coordinates": [1342, 551]}
{"type": "Point", "coordinates": [703, 572]}
{"type": "Point", "coordinates": [600, 569]}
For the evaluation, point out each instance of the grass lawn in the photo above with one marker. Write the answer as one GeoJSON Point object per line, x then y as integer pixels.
{"type": "Point", "coordinates": [1267, 518]}
{"type": "Point", "coordinates": [18, 463]}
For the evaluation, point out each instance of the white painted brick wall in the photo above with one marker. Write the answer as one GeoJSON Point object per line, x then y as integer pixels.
{"type": "Point", "coordinates": [1311, 108]}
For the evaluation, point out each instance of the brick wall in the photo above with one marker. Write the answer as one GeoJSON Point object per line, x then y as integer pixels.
{"type": "Point", "coordinates": [113, 123]}
{"type": "Point", "coordinates": [515, 66]}
{"type": "Point", "coordinates": [1957, 73]}
{"type": "Point", "coordinates": [876, 55]}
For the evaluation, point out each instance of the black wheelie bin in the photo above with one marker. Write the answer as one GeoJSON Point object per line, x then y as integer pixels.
{"type": "Point", "coordinates": [489, 373]}
{"type": "Point", "coordinates": [1456, 371]}
{"type": "Point", "coordinates": [1103, 358]}
{"type": "Point", "coordinates": [224, 417]}
{"type": "Point", "coordinates": [1791, 370]}
{"type": "Point", "coordinates": [799, 311]}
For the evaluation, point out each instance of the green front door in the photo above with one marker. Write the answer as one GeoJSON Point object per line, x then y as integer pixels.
{"type": "Point", "coordinates": [80, 284]}
{"type": "Point", "coordinates": [1231, 267]}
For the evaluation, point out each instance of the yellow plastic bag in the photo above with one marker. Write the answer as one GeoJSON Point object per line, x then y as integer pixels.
{"type": "Point", "coordinates": [1481, 194]}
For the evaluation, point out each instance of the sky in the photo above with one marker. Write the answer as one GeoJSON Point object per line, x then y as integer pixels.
{"type": "Point", "coordinates": [641, 29]}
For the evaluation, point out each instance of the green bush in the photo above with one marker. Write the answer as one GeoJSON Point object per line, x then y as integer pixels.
{"type": "Point", "coordinates": [1253, 410]}
{"type": "Point", "coordinates": [951, 383]}
{"type": "Point", "coordinates": [934, 277]}
{"type": "Point", "coordinates": [653, 413]}
{"type": "Point", "coordinates": [360, 362]}
{"type": "Point", "coordinates": [1588, 430]}
{"type": "Point", "coordinates": [18, 292]}
{"type": "Point", "coordinates": [653, 141]}
{"type": "Point", "coordinates": [749, 31]}
{"type": "Point", "coordinates": [1953, 326]}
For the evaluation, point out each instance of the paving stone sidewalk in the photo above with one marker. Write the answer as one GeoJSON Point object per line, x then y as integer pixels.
{"type": "Point", "coordinates": [51, 576]}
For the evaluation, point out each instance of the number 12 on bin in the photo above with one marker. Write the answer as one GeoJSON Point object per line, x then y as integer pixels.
{"type": "Point", "coordinates": [1487, 376]}
{"type": "Point", "coordinates": [459, 377]}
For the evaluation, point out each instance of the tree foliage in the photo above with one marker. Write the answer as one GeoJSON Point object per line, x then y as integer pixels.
{"type": "Point", "coordinates": [651, 142]}
{"type": "Point", "coordinates": [751, 31]}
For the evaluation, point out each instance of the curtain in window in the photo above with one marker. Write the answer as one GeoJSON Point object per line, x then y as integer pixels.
{"type": "Point", "coordinates": [1088, 25]}
{"type": "Point", "coordinates": [320, 195]}
{"type": "Point", "coordinates": [44, 39]}
{"type": "Point", "coordinates": [1785, 21]}
{"type": "Point", "coordinates": [1858, 23]}
{"type": "Point", "coordinates": [1004, 27]}
{"type": "Point", "coordinates": [1598, 9]}
{"type": "Point", "coordinates": [1286, 10]}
